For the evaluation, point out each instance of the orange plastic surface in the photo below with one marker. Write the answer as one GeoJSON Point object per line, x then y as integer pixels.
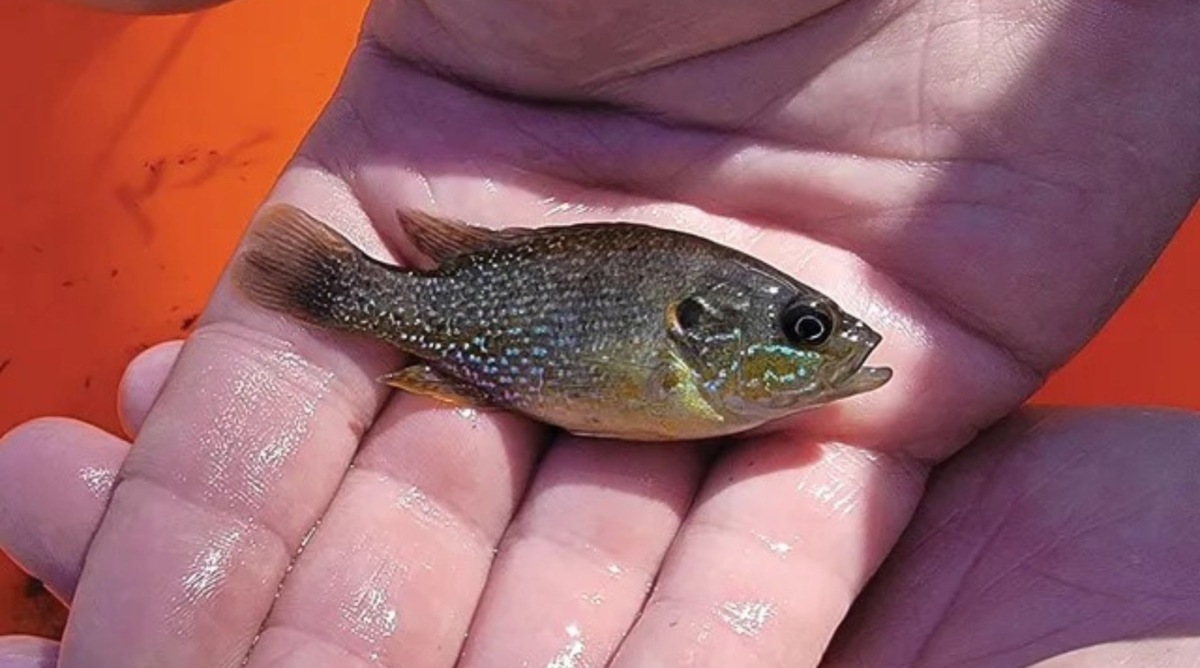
{"type": "Point", "coordinates": [135, 149]}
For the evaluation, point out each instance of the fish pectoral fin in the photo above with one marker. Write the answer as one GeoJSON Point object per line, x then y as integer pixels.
{"type": "Point", "coordinates": [424, 380]}
{"type": "Point", "coordinates": [444, 238]}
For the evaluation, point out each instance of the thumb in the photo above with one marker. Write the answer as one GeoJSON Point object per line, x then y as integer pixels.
{"type": "Point", "coordinates": [27, 652]}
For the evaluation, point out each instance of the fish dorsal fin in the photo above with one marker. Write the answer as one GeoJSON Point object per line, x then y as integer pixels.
{"type": "Point", "coordinates": [444, 238]}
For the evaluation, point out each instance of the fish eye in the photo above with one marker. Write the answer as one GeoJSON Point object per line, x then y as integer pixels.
{"type": "Point", "coordinates": [806, 324]}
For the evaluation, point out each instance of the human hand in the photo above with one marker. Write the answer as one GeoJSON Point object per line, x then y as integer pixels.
{"type": "Point", "coordinates": [1061, 539]}
{"type": "Point", "coordinates": [933, 171]}
{"type": "Point", "coordinates": [1014, 557]}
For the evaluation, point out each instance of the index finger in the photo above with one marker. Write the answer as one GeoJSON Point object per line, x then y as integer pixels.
{"type": "Point", "coordinates": [239, 457]}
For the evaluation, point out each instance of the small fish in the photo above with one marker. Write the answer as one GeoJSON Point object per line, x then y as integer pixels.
{"type": "Point", "coordinates": [603, 329]}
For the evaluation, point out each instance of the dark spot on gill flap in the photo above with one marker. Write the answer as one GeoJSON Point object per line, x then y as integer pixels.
{"type": "Point", "coordinates": [696, 318]}
{"type": "Point", "coordinates": [689, 312]}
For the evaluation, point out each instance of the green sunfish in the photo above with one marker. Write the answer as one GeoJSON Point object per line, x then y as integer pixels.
{"type": "Point", "coordinates": [618, 330]}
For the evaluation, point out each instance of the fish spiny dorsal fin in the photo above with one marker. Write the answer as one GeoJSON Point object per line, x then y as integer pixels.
{"type": "Point", "coordinates": [444, 238]}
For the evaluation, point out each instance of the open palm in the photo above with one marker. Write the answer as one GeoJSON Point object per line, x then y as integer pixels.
{"type": "Point", "coordinates": [981, 183]}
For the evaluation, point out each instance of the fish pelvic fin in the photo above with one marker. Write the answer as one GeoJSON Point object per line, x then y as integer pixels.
{"type": "Point", "coordinates": [296, 264]}
{"type": "Point", "coordinates": [442, 239]}
{"type": "Point", "coordinates": [427, 381]}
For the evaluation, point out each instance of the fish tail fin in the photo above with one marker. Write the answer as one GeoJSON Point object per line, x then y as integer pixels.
{"type": "Point", "coordinates": [298, 265]}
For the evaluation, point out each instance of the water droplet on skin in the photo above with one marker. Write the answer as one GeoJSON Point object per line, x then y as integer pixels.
{"type": "Point", "coordinates": [778, 547]}
{"type": "Point", "coordinates": [415, 501]}
{"type": "Point", "coordinates": [705, 632]}
{"type": "Point", "coordinates": [615, 570]}
{"type": "Point", "coordinates": [594, 599]}
{"type": "Point", "coordinates": [571, 655]}
{"type": "Point", "coordinates": [99, 481]}
{"type": "Point", "coordinates": [467, 413]}
{"type": "Point", "coordinates": [746, 618]}
{"type": "Point", "coordinates": [312, 531]}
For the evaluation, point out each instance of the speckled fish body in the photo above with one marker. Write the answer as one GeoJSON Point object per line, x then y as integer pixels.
{"type": "Point", "coordinates": [607, 329]}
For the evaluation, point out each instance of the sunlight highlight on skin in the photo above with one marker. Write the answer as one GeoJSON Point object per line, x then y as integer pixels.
{"type": "Point", "coordinates": [747, 618]}
{"type": "Point", "coordinates": [571, 655]}
{"type": "Point", "coordinates": [205, 576]}
{"type": "Point", "coordinates": [369, 614]}
{"type": "Point", "coordinates": [418, 503]}
{"type": "Point", "coordinates": [836, 482]}
{"type": "Point", "coordinates": [210, 567]}
{"type": "Point", "coordinates": [263, 420]}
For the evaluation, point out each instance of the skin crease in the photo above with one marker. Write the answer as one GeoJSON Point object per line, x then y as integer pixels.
{"type": "Point", "coordinates": [928, 163]}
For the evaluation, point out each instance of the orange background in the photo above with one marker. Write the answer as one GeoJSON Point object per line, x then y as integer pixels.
{"type": "Point", "coordinates": [135, 149]}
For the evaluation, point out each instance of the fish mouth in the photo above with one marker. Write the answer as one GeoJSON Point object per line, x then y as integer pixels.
{"type": "Point", "coordinates": [863, 380]}
{"type": "Point", "coordinates": [856, 377]}
{"type": "Point", "coordinates": [867, 378]}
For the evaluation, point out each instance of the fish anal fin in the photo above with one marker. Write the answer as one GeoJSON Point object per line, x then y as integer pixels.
{"type": "Point", "coordinates": [424, 380]}
{"type": "Point", "coordinates": [444, 238]}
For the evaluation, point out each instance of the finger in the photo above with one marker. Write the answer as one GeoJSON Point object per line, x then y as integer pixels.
{"type": "Point", "coordinates": [238, 458]}
{"type": "Point", "coordinates": [27, 652]}
{"type": "Point", "coordinates": [142, 383]}
{"type": "Point", "coordinates": [582, 553]}
{"type": "Point", "coordinates": [1060, 533]}
{"type": "Point", "coordinates": [48, 453]}
{"type": "Point", "coordinates": [397, 566]}
{"type": "Point", "coordinates": [783, 536]}
{"type": "Point", "coordinates": [55, 479]}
